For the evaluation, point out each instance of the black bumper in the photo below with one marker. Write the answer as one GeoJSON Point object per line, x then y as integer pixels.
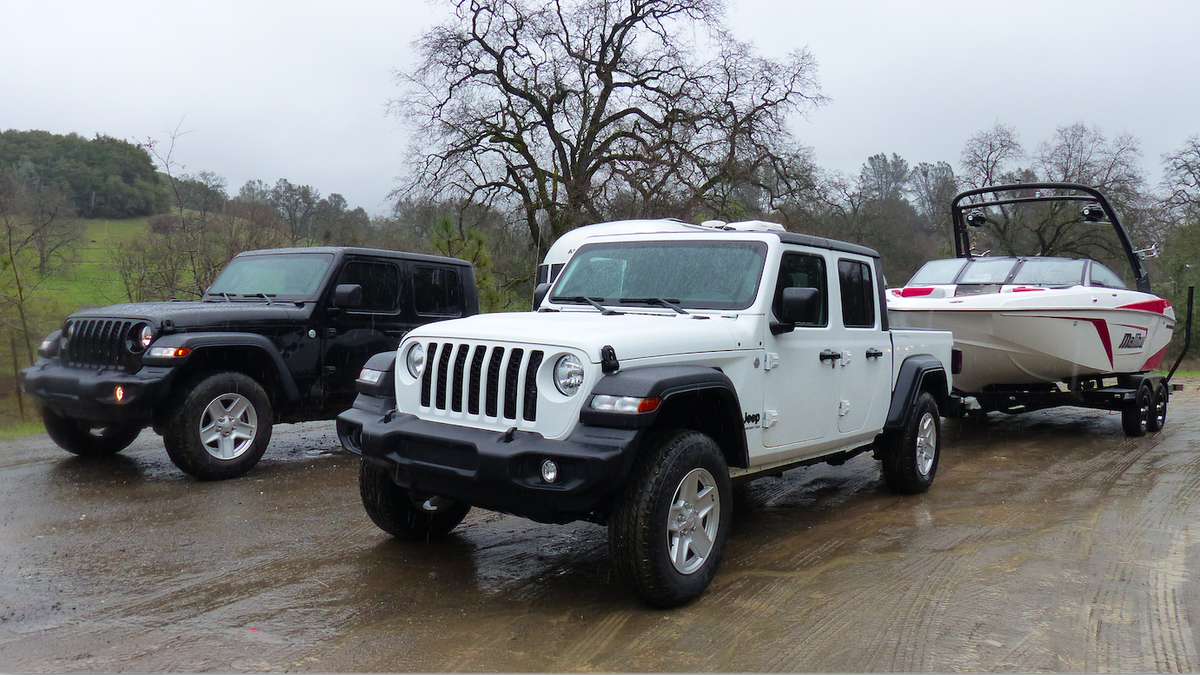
{"type": "Point", "coordinates": [496, 470]}
{"type": "Point", "coordinates": [90, 395]}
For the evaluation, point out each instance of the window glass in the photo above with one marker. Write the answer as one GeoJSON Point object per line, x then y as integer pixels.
{"type": "Point", "coordinates": [1102, 276]}
{"type": "Point", "coordinates": [937, 272]}
{"type": "Point", "coordinates": [295, 275]}
{"type": "Point", "coordinates": [436, 291]}
{"type": "Point", "coordinates": [858, 294]}
{"type": "Point", "coordinates": [380, 284]}
{"type": "Point", "coordinates": [800, 270]}
{"type": "Point", "coordinates": [1050, 272]}
{"type": "Point", "coordinates": [987, 271]}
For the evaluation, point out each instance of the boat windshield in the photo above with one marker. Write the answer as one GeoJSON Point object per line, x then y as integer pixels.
{"type": "Point", "coordinates": [937, 272]}
{"type": "Point", "coordinates": [1102, 276]}
{"type": "Point", "coordinates": [691, 274]}
{"type": "Point", "coordinates": [289, 276]}
{"type": "Point", "coordinates": [987, 271]}
{"type": "Point", "coordinates": [1050, 272]}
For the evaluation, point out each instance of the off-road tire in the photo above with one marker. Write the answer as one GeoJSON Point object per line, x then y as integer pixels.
{"type": "Point", "coordinates": [1158, 408]}
{"type": "Point", "coordinates": [219, 425]}
{"type": "Point", "coordinates": [1135, 416]}
{"type": "Point", "coordinates": [910, 455]}
{"type": "Point", "coordinates": [403, 513]}
{"type": "Point", "coordinates": [653, 514]}
{"type": "Point", "coordinates": [88, 439]}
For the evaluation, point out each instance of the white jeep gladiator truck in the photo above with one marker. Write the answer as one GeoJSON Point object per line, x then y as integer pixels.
{"type": "Point", "coordinates": [657, 370]}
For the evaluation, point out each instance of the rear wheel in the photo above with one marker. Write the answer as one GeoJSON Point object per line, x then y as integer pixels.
{"type": "Point", "coordinates": [668, 529]}
{"type": "Point", "coordinates": [910, 455]}
{"type": "Point", "coordinates": [1135, 416]}
{"type": "Point", "coordinates": [1158, 408]}
{"type": "Point", "coordinates": [88, 439]}
{"type": "Point", "coordinates": [403, 513]}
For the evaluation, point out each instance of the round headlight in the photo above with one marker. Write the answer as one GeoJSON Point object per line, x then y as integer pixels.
{"type": "Point", "coordinates": [415, 359]}
{"type": "Point", "coordinates": [568, 374]}
{"type": "Point", "coordinates": [146, 336]}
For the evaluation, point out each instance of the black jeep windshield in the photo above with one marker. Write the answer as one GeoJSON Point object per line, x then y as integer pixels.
{"type": "Point", "coordinates": [691, 274]}
{"type": "Point", "coordinates": [291, 276]}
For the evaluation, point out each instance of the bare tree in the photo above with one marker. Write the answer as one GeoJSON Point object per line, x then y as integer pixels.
{"type": "Point", "coordinates": [987, 156]}
{"type": "Point", "coordinates": [565, 108]}
{"type": "Point", "coordinates": [297, 204]}
{"type": "Point", "coordinates": [1181, 179]}
{"type": "Point", "coordinates": [933, 187]}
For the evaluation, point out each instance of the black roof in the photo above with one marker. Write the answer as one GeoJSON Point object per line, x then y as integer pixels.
{"type": "Point", "coordinates": [358, 250]}
{"type": "Point", "coordinates": [823, 242]}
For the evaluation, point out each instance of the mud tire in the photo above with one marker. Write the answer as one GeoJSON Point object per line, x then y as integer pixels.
{"type": "Point", "coordinates": [1135, 417]}
{"type": "Point", "coordinates": [910, 455]}
{"type": "Point", "coordinates": [674, 466]}
{"type": "Point", "coordinates": [1158, 408]}
{"type": "Point", "coordinates": [88, 439]}
{"type": "Point", "coordinates": [405, 514]}
{"type": "Point", "coordinates": [190, 436]}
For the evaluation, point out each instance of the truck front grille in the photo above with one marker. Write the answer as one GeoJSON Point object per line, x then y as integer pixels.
{"type": "Point", "coordinates": [99, 343]}
{"type": "Point", "coordinates": [475, 377]}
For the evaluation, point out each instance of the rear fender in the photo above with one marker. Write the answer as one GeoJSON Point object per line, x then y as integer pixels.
{"type": "Point", "coordinates": [918, 373]}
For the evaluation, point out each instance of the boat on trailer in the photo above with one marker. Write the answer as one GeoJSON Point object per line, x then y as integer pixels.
{"type": "Point", "coordinates": [1043, 331]}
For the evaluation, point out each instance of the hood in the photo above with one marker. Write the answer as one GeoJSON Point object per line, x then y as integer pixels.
{"type": "Point", "coordinates": [632, 335]}
{"type": "Point", "coordinates": [197, 314]}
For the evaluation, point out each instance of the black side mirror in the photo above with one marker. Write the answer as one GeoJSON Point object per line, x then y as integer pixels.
{"type": "Point", "coordinates": [539, 294]}
{"type": "Point", "coordinates": [347, 296]}
{"type": "Point", "coordinates": [799, 305]}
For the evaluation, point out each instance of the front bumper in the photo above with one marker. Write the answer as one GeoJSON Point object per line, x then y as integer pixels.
{"type": "Point", "coordinates": [90, 395]}
{"type": "Point", "coordinates": [497, 471]}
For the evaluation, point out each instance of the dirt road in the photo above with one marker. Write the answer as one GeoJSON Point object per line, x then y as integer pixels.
{"type": "Point", "coordinates": [1049, 542]}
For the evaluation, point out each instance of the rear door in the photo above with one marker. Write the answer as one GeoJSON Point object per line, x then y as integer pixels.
{"type": "Point", "coordinates": [866, 352]}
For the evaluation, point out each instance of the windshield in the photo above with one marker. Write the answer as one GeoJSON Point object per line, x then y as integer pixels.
{"type": "Point", "coordinates": [691, 274]}
{"type": "Point", "coordinates": [937, 272]}
{"type": "Point", "coordinates": [987, 271]}
{"type": "Point", "coordinates": [293, 275]}
{"type": "Point", "coordinates": [1050, 272]}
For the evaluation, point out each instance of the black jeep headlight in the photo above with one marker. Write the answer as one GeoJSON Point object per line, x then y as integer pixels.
{"type": "Point", "coordinates": [139, 338]}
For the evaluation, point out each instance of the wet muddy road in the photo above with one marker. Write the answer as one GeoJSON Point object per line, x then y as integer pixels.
{"type": "Point", "coordinates": [1049, 542]}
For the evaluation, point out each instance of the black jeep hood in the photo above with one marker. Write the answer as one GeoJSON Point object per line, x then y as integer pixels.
{"type": "Point", "coordinates": [207, 315]}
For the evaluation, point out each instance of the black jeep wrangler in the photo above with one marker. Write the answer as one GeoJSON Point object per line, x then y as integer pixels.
{"type": "Point", "coordinates": [280, 336]}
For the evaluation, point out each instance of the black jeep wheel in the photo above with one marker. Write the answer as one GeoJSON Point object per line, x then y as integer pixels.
{"type": "Point", "coordinates": [668, 528]}
{"type": "Point", "coordinates": [405, 514]}
{"type": "Point", "coordinates": [1135, 416]}
{"type": "Point", "coordinates": [1158, 408]}
{"type": "Point", "coordinates": [88, 439]}
{"type": "Point", "coordinates": [910, 455]}
{"type": "Point", "coordinates": [219, 426]}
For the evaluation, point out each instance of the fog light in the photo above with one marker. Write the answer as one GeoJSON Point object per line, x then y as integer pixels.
{"type": "Point", "coordinates": [119, 393]}
{"type": "Point", "coordinates": [549, 471]}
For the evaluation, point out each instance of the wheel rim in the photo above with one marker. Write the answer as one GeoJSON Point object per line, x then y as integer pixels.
{"type": "Point", "coordinates": [693, 520]}
{"type": "Point", "coordinates": [926, 444]}
{"type": "Point", "coordinates": [429, 504]}
{"type": "Point", "coordinates": [1160, 408]}
{"type": "Point", "coordinates": [228, 426]}
{"type": "Point", "coordinates": [1144, 409]}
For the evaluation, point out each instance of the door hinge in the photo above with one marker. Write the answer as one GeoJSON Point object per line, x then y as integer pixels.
{"type": "Point", "coordinates": [770, 417]}
{"type": "Point", "coordinates": [845, 358]}
{"type": "Point", "coordinates": [770, 360]}
{"type": "Point", "coordinates": [843, 408]}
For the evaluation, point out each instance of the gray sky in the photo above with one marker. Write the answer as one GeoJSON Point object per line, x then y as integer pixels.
{"type": "Point", "coordinates": [298, 89]}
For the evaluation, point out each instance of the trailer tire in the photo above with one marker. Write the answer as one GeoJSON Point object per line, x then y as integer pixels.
{"type": "Point", "coordinates": [1158, 408]}
{"type": "Point", "coordinates": [1135, 416]}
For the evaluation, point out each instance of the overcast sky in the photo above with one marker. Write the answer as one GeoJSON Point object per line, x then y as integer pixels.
{"type": "Point", "coordinates": [298, 90]}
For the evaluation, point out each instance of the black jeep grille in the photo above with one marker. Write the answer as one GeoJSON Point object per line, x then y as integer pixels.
{"type": "Point", "coordinates": [464, 373]}
{"type": "Point", "coordinates": [99, 343]}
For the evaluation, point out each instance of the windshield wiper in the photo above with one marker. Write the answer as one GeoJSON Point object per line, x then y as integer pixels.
{"type": "Point", "coordinates": [266, 296]}
{"type": "Point", "coordinates": [227, 296]}
{"type": "Point", "coordinates": [590, 301]}
{"type": "Point", "coordinates": [673, 304]}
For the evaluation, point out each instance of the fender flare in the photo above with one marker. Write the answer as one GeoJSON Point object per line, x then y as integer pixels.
{"type": "Point", "coordinates": [198, 342]}
{"type": "Point", "coordinates": [665, 383]}
{"type": "Point", "coordinates": [915, 371]}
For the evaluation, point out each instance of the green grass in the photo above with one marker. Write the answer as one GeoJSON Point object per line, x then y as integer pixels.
{"type": "Point", "coordinates": [18, 429]}
{"type": "Point", "coordinates": [93, 281]}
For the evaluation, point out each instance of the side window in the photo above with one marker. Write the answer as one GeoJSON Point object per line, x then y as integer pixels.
{"type": "Point", "coordinates": [858, 294]}
{"type": "Point", "coordinates": [380, 283]}
{"type": "Point", "coordinates": [804, 271]}
{"type": "Point", "coordinates": [435, 290]}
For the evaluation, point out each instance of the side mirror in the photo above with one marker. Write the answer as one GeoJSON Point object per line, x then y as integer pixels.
{"type": "Point", "coordinates": [539, 294]}
{"type": "Point", "coordinates": [799, 305]}
{"type": "Point", "coordinates": [347, 296]}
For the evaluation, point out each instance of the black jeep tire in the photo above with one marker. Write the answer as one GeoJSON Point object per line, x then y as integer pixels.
{"type": "Point", "coordinates": [88, 439]}
{"type": "Point", "coordinates": [910, 455]}
{"type": "Point", "coordinates": [1135, 416]}
{"type": "Point", "coordinates": [668, 527]}
{"type": "Point", "coordinates": [219, 425]}
{"type": "Point", "coordinates": [1158, 408]}
{"type": "Point", "coordinates": [405, 514]}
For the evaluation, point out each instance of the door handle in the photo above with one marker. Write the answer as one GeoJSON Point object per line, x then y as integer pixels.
{"type": "Point", "coordinates": [830, 355]}
{"type": "Point", "coordinates": [873, 353]}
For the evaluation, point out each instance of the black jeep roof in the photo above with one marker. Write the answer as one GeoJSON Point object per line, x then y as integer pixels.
{"type": "Point", "coordinates": [357, 250]}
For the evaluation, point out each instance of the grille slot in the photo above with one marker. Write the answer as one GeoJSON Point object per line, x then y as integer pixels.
{"type": "Point", "coordinates": [99, 343]}
{"type": "Point", "coordinates": [500, 382]}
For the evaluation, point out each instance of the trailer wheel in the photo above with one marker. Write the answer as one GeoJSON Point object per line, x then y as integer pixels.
{"type": "Point", "coordinates": [1158, 408]}
{"type": "Point", "coordinates": [1135, 416]}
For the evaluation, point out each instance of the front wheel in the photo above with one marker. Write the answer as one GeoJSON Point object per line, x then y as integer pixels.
{"type": "Point", "coordinates": [1135, 417]}
{"type": "Point", "coordinates": [219, 427]}
{"type": "Point", "coordinates": [405, 514]}
{"type": "Point", "coordinates": [88, 440]}
{"type": "Point", "coordinates": [910, 455]}
{"type": "Point", "coordinates": [1158, 408]}
{"type": "Point", "coordinates": [668, 528]}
